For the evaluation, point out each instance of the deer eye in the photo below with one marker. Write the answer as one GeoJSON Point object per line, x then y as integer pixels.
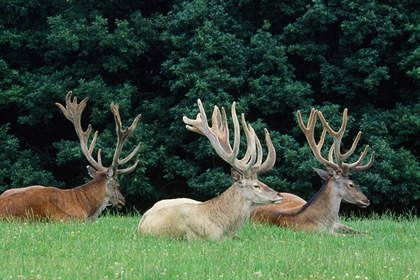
{"type": "Point", "coordinates": [351, 185]}
{"type": "Point", "coordinates": [257, 187]}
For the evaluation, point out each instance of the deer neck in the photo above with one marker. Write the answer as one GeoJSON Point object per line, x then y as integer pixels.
{"type": "Point", "coordinates": [230, 210]}
{"type": "Point", "coordinates": [93, 197]}
{"type": "Point", "coordinates": [325, 205]}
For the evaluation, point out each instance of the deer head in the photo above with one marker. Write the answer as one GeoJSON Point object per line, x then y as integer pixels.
{"type": "Point", "coordinates": [245, 170]}
{"type": "Point", "coordinates": [337, 171]}
{"type": "Point", "coordinates": [73, 113]}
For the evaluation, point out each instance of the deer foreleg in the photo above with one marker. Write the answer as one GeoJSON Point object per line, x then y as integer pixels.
{"type": "Point", "coordinates": [346, 229]}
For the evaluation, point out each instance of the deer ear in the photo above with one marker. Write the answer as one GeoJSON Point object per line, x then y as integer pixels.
{"type": "Point", "coordinates": [92, 171]}
{"type": "Point", "coordinates": [322, 173]}
{"type": "Point", "coordinates": [236, 175]}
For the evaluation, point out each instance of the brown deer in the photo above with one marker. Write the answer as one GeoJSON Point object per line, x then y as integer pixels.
{"type": "Point", "coordinates": [222, 216]}
{"type": "Point", "coordinates": [81, 203]}
{"type": "Point", "coordinates": [320, 213]}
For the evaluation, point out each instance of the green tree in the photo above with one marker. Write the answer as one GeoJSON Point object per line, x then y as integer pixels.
{"type": "Point", "coordinates": [158, 57]}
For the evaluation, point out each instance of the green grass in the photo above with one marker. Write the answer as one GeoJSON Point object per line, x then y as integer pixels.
{"type": "Point", "coordinates": [111, 248]}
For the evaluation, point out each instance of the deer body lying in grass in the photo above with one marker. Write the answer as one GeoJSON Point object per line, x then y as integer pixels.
{"type": "Point", "coordinates": [43, 203]}
{"type": "Point", "coordinates": [222, 216]}
{"type": "Point", "coordinates": [81, 203]}
{"type": "Point", "coordinates": [320, 213]}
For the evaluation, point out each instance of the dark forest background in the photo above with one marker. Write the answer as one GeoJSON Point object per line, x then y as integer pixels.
{"type": "Point", "coordinates": [156, 58]}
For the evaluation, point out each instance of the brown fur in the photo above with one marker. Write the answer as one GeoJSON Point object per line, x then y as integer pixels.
{"type": "Point", "coordinates": [319, 214]}
{"type": "Point", "coordinates": [16, 190]}
{"type": "Point", "coordinates": [37, 202]}
{"type": "Point", "coordinates": [82, 203]}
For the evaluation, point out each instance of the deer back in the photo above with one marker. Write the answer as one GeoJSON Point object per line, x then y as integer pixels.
{"type": "Point", "coordinates": [17, 190]}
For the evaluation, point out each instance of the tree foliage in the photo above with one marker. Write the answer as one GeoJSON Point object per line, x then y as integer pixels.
{"type": "Point", "coordinates": [156, 58]}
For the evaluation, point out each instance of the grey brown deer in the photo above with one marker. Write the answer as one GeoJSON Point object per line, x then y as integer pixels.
{"type": "Point", "coordinates": [320, 213]}
{"type": "Point", "coordinates": [85, 202]}
{"type": "Point", "coordinates": [222, 216]}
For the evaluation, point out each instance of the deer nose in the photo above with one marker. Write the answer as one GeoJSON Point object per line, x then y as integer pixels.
{"type": "Point", "coordinates": [277, 201]}
{"type": "Point", "coordinates": [367, 202]}
{"type": "Point", "coordinates": [364, 203]}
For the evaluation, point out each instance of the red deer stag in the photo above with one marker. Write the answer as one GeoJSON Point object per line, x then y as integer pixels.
{"type": "Point", "coordinates": [320, 213]}
{"type": "Point", "coordinates": [81, 203]}
{"type": "Point", "coordinates": [221, 216]}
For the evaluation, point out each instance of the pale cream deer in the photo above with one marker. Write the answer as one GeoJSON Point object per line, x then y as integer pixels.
{"type": "Point", "coordinates": [81, 203]}
{"type": "Point", "coordinates": [222, 216]}
{"type": "Point", "coordinates": [320, 213]}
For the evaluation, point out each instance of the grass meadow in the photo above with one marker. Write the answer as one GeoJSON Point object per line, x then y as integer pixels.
{"type": "Point", "coordinates": [111, 248]}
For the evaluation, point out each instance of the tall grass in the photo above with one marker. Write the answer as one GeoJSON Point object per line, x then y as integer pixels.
{"type": "Point", "coordinates": [111, 248]}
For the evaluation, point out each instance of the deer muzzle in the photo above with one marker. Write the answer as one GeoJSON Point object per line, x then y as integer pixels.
{"type": "Point", "coordinates": [121, 202]}
{"type": "Point", "coordinates": [279, 199]}
{"type": "Point", "coordinates": [363, 203]}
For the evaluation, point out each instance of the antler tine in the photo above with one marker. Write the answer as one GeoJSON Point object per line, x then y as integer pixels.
{"type": "Point", "coordinates": [254, 153]}
{"type": "Point", "coordinates": [335, 148]}
{"type": "Point", "coordinates": [122, 138]}
{"type": "Point", "coordinates": [269, 162]}
{"type": "Point", "coordinates": [353, 147]}
{"type": "Point", "coordinates": [259, 150]}
{"type": "Point", "coordinates": [250, 155]}
{"type": "Point", "coordinates": [337, 136]}
{"type": "Point", "coordinates": [354, 167]}
{"type": "Point", "coordinates": [99, 156]}
{"type": "Point", "coordinates": [218, 133]}
{"type": "Point", "coordinates": [309, 131]}
{"type": "Point", "coordinates": [330, 152]}
{"type": "Point", "coordinates": [132, 168]}
{"type": "Point", "coordinates": [73, 113]}
{"type": "Point", "coordinates": [340, 132]}
{"type": "Point", "coordinates": [92, 144]}
{"type": "Point", "coordinates": [220, 128]}
{"type": "Point", "coordinates": [236, 130]}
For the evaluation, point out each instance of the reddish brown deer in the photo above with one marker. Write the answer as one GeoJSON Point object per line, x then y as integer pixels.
{"type": "Point", "coordinates": [221, 216]}
{"type": "Point", "coordinates": [320, 213]}
{"type": "Point", "coordinates": [81, 203]}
